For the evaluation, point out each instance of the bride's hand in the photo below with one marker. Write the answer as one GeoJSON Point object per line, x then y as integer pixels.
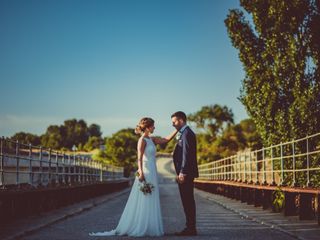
{"type": "Point", "coordinates": [141, 176]}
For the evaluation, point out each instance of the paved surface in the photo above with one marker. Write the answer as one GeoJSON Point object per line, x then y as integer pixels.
{"type": "Point", "coordinates": [217, 217]}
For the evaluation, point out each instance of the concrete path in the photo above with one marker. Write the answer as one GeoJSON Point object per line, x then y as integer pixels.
{"type": "Point", "coordinates": [214, 221]}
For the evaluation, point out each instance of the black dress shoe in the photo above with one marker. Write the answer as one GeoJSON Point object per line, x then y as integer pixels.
{"type": "Point", "coordinates": [187, 232]}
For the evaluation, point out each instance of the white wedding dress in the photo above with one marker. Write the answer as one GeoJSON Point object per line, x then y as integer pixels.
{"type": "Point", "coordinates": [142, 213]}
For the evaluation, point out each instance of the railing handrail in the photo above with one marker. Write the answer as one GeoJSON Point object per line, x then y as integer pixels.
{"type": "Point", "coordinates": [247, 165]}
{"type": "Point", "coordinates": [69, 167]}
{"type": "Point", "coordinates": [269, 147]}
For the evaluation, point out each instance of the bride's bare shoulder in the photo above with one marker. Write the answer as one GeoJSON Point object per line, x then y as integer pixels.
{"type": "Point", "coordinates": [141, 140]}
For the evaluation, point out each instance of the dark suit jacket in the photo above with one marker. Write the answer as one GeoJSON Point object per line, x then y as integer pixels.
{"type": "Point", "coordinates": [185, 154]}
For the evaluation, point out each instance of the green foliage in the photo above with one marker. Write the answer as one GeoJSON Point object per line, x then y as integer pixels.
{"type": "Point", "coordinates": [219, 137]}
{"type": "Point", "coordinates": [53, 138]}
{"type": "Point", "coordinates": [121, 149]}
{"type": "Point", "coordinates": [72, 132]}
{"type": "Point", "coordinates": [63, 137]}
{"type": "Point", "coordinates": [280, 56]}
{"type": "Point", "coordinates": [234, 138]}
{"type": "Point", "coordinates": [94, 130]}
{"type": "Point", "coordinates": [27, 138]}
{"type": "Point", "coordinates": [100, 156]}
{"type": "Point", "coordinates": [213, 119]}
{"type": "Point", "coordinates": [93, 143]}
{"type": "Point", "coordinates": [167, 148]}
{"type": "Point", "coordinates": [75, 132]}
{"type": "Point", "coordinates": [278, 200]}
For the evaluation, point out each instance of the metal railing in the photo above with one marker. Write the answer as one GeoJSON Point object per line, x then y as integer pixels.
{"type": "Point", "coordinates": [37, 166]}
{"type": "Point", "coordinates": [293, 163]}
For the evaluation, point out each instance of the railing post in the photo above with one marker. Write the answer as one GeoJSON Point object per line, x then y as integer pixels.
{"type": "Point", "coordinates": [69, 170]}
{"type": "Point", "coordinates": [30, 165]}
{"type": "Point", "coordinates": [79, 169]}
{"type": "Point", "coordinates": [216, 171]}
{"type": "Point", "coordinates": [272, 169]}
{"type": "Point", "coordinates": [17, 164]}
{"type": "Point", "coordinates": [229, 169]}
{"type": "Point", "coordinates": [264, 181]}
{"type": "Point", "coordinates": [257, 167]}
{"type": "Point", "coordinates": [308, 164]}
{"type": "Point", "coordinates": [97, 172]}
{"type": "Point", "coordinates": [220, 171]}
{"type": "Point", "coordinates": [63, 168]}
{"type": "Point", "coordinates": [2, 163]}
{"type": "Point", "coordinates": [234, 168]}
{"type": "Point", "coordinates": [87, 170]}
{"type": "Point", "coordinates": [238, 168]}
{"type": "Point", "coordinates": [74, 169]}
{"type": "Point", "coordinates": [282, 164]}
{"type": "Point", "coordinates": [57, 168]}
{"type": "Point", "coordinates": [245, 168]}
{"type": "Point", "coordinates": [40, 166]}
{"type": "Point", "coordinates": [101, 173]}
{"type": "Point", "coordinates": [224, 170]}
{"type": "Point", "coordinates": [93, 171]}
{"type": "Point", "coordinates": [250, 167]}
{"type": "Point", "coordinates": [82, 170]}
{"type": "Point", "coordinates": [293, 165]}
{"type": "Point", "coordinates": [50, 170]}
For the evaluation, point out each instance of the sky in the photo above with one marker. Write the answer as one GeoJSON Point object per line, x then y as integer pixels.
{"type": "Point", "coordinates": [113, 62]}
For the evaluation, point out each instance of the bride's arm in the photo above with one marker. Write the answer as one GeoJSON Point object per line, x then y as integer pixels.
{"type": "Point", "coordinates": [159, 140]}
{"type": "Point", "coordinates": [141, 146]}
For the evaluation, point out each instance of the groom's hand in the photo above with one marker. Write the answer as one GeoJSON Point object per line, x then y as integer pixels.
{"type": "Point", "coordinates": [181, 178]}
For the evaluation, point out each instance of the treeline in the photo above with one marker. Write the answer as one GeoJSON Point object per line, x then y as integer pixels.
{"type": "Point", "coordinates": [64, 137]}
{"type": "Point", "coordinates": [217, 137]}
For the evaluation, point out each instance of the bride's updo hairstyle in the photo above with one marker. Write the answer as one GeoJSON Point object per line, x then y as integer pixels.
{"type": "Point", "coordinates": [143, 124]}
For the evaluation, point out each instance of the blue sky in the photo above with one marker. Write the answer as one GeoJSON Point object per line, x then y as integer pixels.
{"type": "Point", "coordinates": [113, 62]}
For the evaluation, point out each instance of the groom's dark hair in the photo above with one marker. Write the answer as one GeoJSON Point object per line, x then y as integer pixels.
{"type": "Point", "coordinates": [180, 115]}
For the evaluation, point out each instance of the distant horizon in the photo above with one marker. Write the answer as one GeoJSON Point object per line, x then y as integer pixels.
{"type": "Point", "coordinates": [114, 62]}
{"type": "Point", "coordinates": [163, 127]}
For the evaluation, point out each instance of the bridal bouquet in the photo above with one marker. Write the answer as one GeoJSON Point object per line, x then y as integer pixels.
{"type": "Point", "coordinates": [145, 187]}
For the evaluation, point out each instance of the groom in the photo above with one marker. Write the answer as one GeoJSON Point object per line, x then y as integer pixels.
{"type": "Point", "coordinates": [185, 163]}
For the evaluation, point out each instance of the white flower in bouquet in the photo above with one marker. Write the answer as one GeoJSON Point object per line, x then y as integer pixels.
{"type": "Point", "coordinates": [145, 187]}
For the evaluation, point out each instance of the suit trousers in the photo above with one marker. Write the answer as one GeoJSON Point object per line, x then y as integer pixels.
{"type": "Point", "coordinates": [188, 202]}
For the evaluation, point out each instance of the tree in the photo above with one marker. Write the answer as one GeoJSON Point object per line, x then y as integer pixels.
{"type": "Point", "coordinates": [53, 138]}
{"type": "Point", "coordinates": [234, 138]}
{"type": "Point", "coordinates": [94, 130]}
{"type": "Point", "coordinates": [27, 138]}
{"type": "Point", "coordinates": [76, 133]}
{"type": "Point", "coordinates": [93, 143]}
{"type": "Point", "coordinates": [121, 149]}
{"type": "Point", "coordinates": [252, 138]}
{"type": "Point", "coordinates": [280, 56]}
{"type": "Point", "coordinates": [72, 132]}
{"type": "Point", "coordinates": [212, 119]}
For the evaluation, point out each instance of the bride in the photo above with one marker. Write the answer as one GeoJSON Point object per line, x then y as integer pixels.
{"type": "Point", "coordinates": [142, 213]}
